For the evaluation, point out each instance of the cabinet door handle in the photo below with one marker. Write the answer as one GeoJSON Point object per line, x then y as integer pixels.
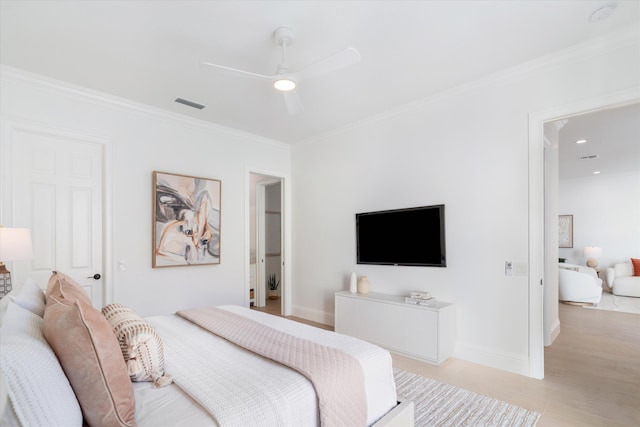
{"type": "Point", "coordinates": [95, 276]}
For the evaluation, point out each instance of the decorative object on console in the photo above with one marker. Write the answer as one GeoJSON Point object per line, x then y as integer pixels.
{"type": "Point", "coordinates": [565, 231]}
{"type": "Point", "coordinates": [419, 298]}
{"type": "Point", "coordinates": [15, 245]}
{"type": "Point", "coordinates": [353, 285]}
{"type": "Point", "coordinates": [186, 220]}
{"type": "Point", "coordinates": [591, 252]}
{"type": "Point", "coordinates": [363, 285]}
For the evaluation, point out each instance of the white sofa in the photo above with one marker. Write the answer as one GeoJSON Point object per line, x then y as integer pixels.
{"type": "Point", "coordinates": [621, 281]}
{"type": "Point", "coordinates": [578, 283]}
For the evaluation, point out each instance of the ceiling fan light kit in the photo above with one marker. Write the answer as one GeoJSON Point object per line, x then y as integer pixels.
{"type": "Point", "coordinates": [286, 81]}
{"type": "Point", "coordinates": [284, 84]}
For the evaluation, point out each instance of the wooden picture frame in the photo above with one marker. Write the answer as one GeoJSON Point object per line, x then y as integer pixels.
{"type": "Point", "coordinates": [186, 220]}
{"type": "Point", "coordinates": [565, 231]}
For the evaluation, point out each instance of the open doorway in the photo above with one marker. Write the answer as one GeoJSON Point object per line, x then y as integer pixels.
{"type": "Point", "coordinates": [266, 247]}
{"type": "Point", "coordinates": [542, 213]}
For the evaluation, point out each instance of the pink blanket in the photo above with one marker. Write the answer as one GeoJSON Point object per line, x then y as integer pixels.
{"type": "Point", "coordinates": [336, 376]}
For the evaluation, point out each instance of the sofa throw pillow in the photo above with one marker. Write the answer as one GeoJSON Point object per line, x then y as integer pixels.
{"type": "Point", "coordinates": [636, 266]}
{"type": "Point", "coordinates": [90, 356]}
{"type": "Point", "coordinates": [140, 344]}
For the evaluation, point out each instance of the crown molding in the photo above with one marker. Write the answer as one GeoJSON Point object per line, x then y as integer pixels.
{"type": "Point", "coordinates": [25, 78]}
{"type": "Point", "coordinates": [626, 37]}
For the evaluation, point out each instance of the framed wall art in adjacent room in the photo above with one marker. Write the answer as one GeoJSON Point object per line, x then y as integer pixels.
{"type": "Point", "coordinates": [186, 220]}
{"type": "Point", "coordinates": [565, 231]}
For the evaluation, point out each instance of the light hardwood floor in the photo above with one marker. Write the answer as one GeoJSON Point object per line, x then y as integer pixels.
{"type": "Point", "coordinates": [592, 372]}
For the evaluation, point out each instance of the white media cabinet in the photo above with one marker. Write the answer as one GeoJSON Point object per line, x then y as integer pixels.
{"type": "Point", "coordinates": [423, 332]}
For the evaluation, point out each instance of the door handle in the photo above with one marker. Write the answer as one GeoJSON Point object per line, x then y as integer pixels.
{"type": "Point", "coordinates": [95, 276]}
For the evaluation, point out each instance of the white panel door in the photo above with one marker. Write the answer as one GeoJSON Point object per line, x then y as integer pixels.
{"type": "Point", "coordinates": [57, 191]}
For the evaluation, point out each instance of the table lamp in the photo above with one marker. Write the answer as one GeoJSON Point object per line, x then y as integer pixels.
{"type": "Point", "coordinates": [15, 245]}
{"type": "Point", "coordinates": [591, 252]}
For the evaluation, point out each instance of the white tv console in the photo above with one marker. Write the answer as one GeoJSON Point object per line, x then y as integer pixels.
{"type": "Point", "coordinates": [423, 332]}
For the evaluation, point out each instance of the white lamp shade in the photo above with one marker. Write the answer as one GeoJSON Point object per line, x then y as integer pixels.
{"type": "Point", "coordinates": [15, 244]}
{"type": "Point", "coordinates": [592, 252]}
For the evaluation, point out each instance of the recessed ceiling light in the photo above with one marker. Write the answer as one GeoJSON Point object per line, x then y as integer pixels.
{"type": "Point", "coordinates": [603, 12]}
{"type": "Point", "coordinates": [581, 141]}
{"type": "Point", "coordinates": [596, 172]}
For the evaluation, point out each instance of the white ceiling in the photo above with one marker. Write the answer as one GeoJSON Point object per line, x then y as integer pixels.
{"type": "Point", "coordinates": [150, 51]}
{"type": "Point", "coordinates": [613, 135]}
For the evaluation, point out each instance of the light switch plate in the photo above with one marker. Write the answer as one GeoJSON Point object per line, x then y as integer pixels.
{"type": "Point", "coordinates": [521, 268]}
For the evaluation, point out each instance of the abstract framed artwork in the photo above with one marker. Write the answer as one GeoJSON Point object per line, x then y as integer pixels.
{"type": "Point", "coordinates": [186, 220]}
{"type": "Point", "coordinates": [565, 231]}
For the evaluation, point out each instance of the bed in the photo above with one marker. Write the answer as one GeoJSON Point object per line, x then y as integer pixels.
{"type": "Point", "coordinates": [208, 379]}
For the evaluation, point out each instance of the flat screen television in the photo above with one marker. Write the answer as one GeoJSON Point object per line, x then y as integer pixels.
{"type": "Point", "coordinates": [411, 236]}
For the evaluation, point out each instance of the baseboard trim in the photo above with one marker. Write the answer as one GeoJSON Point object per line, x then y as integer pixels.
{"type": "Point", "coordinates": [555, 330]}
{"type": "Point", "coordinates": [314, 315]}
{"type": "Point", "coordinates": [514, 363]}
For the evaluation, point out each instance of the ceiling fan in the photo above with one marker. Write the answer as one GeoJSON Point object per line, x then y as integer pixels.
{"type": "Point", "coordinates": [284, 79]}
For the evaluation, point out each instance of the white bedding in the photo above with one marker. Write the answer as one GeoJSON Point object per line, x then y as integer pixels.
{"type": "Point", "coordinates": [168, 407]}
{"type": "Point", "coordinates": [231, 369]}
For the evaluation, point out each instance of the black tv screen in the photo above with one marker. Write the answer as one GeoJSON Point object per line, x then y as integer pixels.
{"type": "Point", "coordinates": [412, 236]}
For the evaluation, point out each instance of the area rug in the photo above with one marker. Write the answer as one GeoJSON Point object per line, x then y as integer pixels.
{"type": "Point", "coordinates": [612, 302]}
{"type": "Point", "coordinates": [439, 404]}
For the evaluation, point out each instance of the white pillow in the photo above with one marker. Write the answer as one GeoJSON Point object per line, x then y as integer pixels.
{"type": "Point", "coordinates": [28, 296]}
{"type": "Point", "coordinates": [31, 297]}
{"type": "Point", "coordinates": [38, 390]}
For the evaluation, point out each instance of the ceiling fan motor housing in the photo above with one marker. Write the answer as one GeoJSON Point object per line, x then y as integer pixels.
{"type": "Point", "coordinates": [283, 36]}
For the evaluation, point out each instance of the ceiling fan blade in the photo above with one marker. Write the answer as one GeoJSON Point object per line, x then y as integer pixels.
{"type": "Point", "coordinates": [235, 71]}
{"type": "Point", "coordinates": [294, 104]}
{"type": "Point", "coordinates": [342, 59]}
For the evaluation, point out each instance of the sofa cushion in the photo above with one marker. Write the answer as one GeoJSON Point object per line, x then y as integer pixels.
{"type": "Point", "coordinates": [636, 266]}
{"type": "Point", "coordinates": [628, 286]}
{"type": "Point", "coordinates": [623, 269]}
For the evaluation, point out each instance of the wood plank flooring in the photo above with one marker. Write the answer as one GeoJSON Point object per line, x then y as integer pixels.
{"type": "Point", "coordinates": [592, 372]}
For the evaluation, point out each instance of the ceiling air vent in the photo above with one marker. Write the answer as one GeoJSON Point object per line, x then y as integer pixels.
{"type": "Point", "coordinates": [593, 156]}
{"type": "Point", "coordinates": [189, 103]}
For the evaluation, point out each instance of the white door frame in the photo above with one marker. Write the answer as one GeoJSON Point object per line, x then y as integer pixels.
{"type": "Point", "coordinates": [537, 250]}
{"type": "Point", "coordinates": [261, 250]}
{"type": "Point", "coordinates": [285, 292]}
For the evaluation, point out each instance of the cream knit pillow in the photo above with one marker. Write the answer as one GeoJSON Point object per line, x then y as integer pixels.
{"type": "Point", "coordinates": [140, 345]}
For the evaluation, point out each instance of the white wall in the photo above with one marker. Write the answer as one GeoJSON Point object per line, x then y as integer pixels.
{"type": "Point", "coordinates": [606, 213]}
{"type": "Point", "coordinates": [468, 149]}
{"type": "Point", "coordinates": [144, 140]}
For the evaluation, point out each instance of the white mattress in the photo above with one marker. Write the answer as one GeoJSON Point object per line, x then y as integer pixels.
{"type": "Point", "coordinates": [173, 405]}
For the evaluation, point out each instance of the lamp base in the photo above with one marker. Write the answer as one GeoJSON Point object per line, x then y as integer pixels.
{"type": "Point", "coordinates": [5, 281]}
{"type": "Point", "coordinates": [591, 262]}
